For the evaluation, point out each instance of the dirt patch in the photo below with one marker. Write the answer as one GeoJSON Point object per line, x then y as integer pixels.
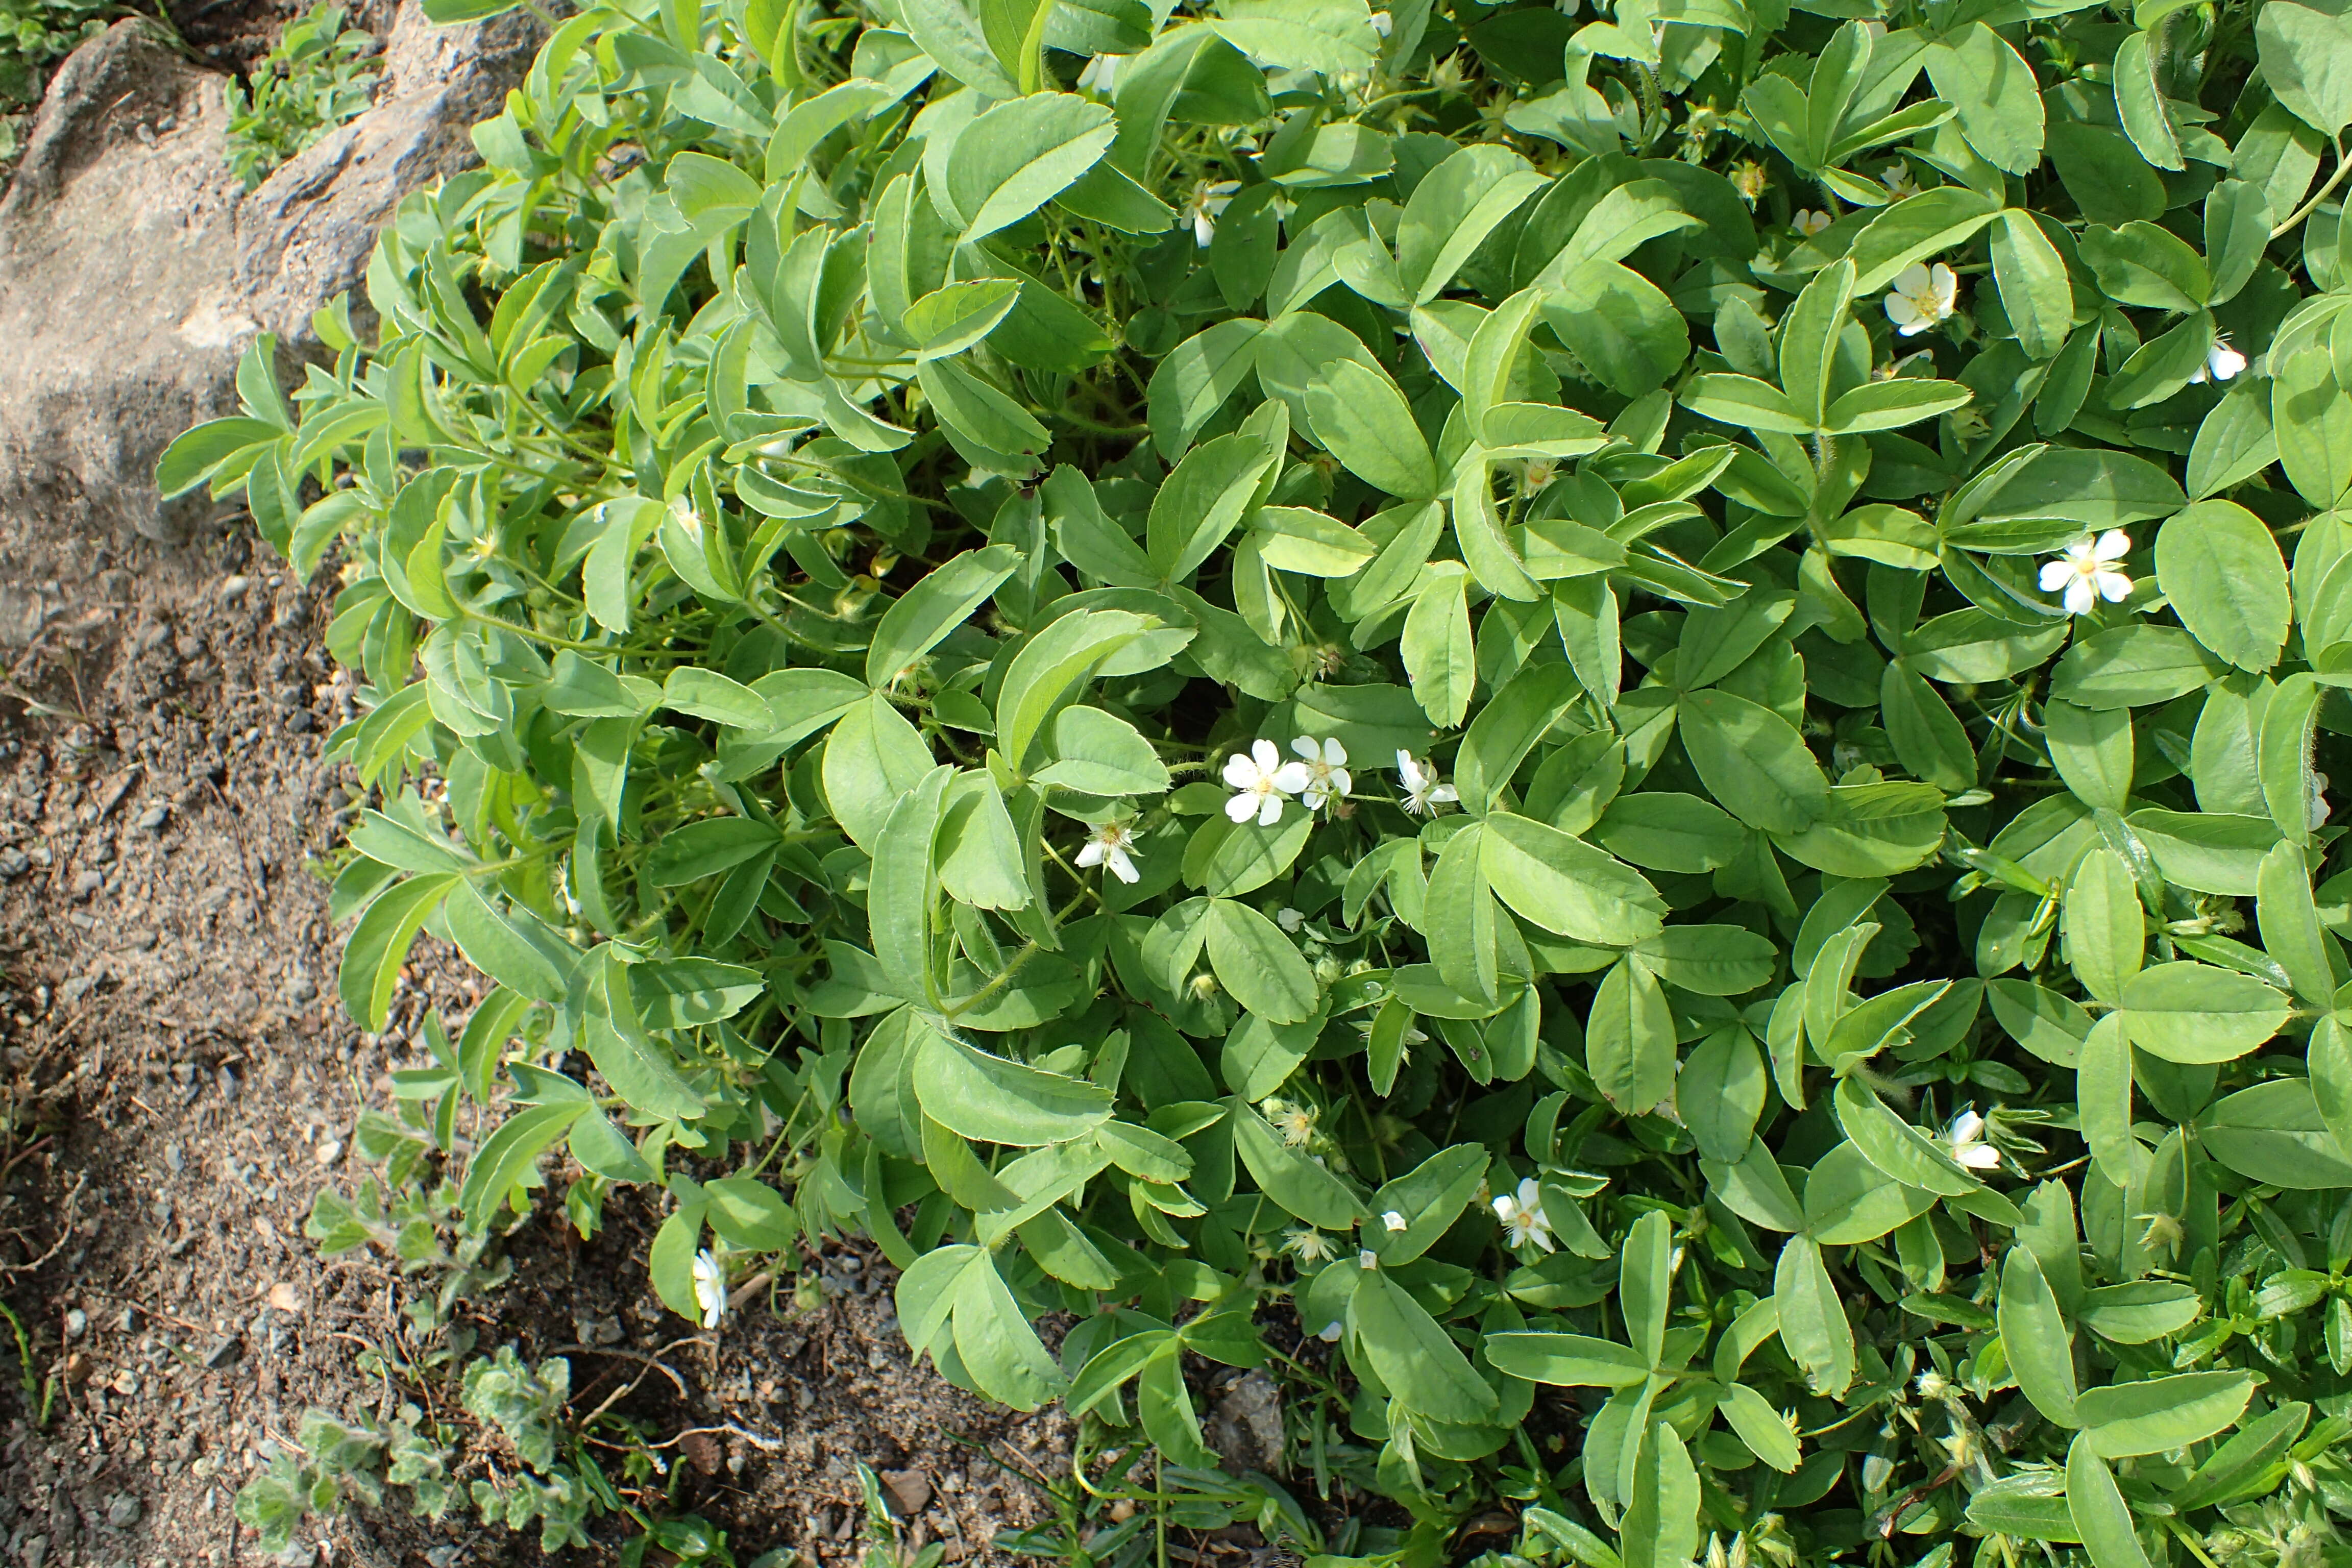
{"type": "Point", "coordinates": [176, 1081]}
{"type": "Point", "coordinates": [231, 34]}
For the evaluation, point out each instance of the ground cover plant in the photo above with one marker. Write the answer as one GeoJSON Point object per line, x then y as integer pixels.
{"type": "Point", "coordinates": [318, 75]}
{"type": "Point", "coordinates": [1607, 735]}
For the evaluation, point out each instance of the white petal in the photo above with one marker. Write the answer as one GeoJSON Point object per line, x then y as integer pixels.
{"type": "Point", "coordinates": [1912, 279]}
{"type": "Point", "coordinates": [1268, 758]}
{"type": "Point", "coordinates": [1944, 285]}
{"type": "Point", "coordinates": [2055, 574]}
{"type": "Point", "coordinates": [1979, 1157]}
{"type": "Point", "coordinates": [1270, 813]}
{"type": "Point", "coordinates": [1240, 807]}
{"type": "Point", "coordinates": [1241, 771]}
{"type": "Point", "coordinates": [1090, 853]}
{"type": "Point", "coordinates": [1292, 777]}
{"type": "Point", "coordinates": [1446, 793]}
{"type": "Point", "coordinates": [1334, 752]}
{"type": "Point", "coordinates": [1121, 866]}
{"type": "Point", "coordinates": [2113, 545]}
{"type": "Point", "coordinates": [1530, 1194]}
{"type": "Point", "coordinates": [1204, 228]}
{"type": "Point", "coordinates": [1505, 1209]}
{"type": "Point", "coordinates": [1306, 747]}
{"type": "Point", "coordinates": [1341, 783]}
{"type": "Point", "coordinates": [2114, 586]}
{"type": "Point", "coordinates": [1901, 311]}
{"type": "Point", "coordinates": [1393, 1220]}
{"type": "Point", "coordinates": [1409, 770]}
{"type": "Point", "coordinates": [2080, 596]}
{"type": "Point", "coordinates": [1965, 1127]}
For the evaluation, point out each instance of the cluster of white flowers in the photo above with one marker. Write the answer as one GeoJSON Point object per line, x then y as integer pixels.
{"type": "Point", "coordinates": [1262, 782]}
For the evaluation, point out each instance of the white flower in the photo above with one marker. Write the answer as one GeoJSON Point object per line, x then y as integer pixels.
{"type": "Point", "coordinates": [1296, 1122]}
{"type": "Point", "coordinates": [1523, 1217]}
{"type": "Point", "coordinates": [710, 1288]}
{"type": "Point", "coordinates": [2315, 801]}
{"type": "Point", "coordinates": [1329, 1332]}
{"type": "Point", "coordinates": [1101, 75]}
{"type": "Point", "coordinates": [1423, 793]}
{"type": "Point", "coordinates": [1382, 23]}
{"type": "Point", "coordinates": [1310, 1246]}
{"type": "Point", "coordinates": [1327, 771]}
{"type": "Point", "coordinates": [1109, 846]}
{"type": "Point", "coordinates": [1368, 1259]}
{"type": "Point", "coordinates": [1262, 781]}
{"type": "Point", "coordinates": [1289, 919]}
{"type": "Point", "coordinates": [1923, 296]}
{"type": "Point", "coordinates": [1810, 222]}
{"type": "Point", "coordinates": [1393, 1220]}
{"type": "Point", "coordinates": [1209, 200]}
{"type": "Point", "coordinates": [2087, 572]}
{"type": "Point", "coordinates": [1898, 181]}
{"type": "Point", "coordinates": [2222, 362]}
{"type": "Point", "coordinates": [1965, 1140]}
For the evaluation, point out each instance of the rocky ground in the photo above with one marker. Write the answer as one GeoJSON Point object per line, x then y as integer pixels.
{"type": "Point", "coordinates": [178, 1083]}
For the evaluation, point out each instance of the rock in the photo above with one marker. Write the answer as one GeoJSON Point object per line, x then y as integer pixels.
{"type": "Point", "coordinates": [14, 863]}
{"type": "Point", "coordinates": [222, 1352]}
{"type": "Point", "coordinates": [77, 1322]}
{"type": "Point", "coordinates": [123, 1511]}
{"type": "Point", "coordinates": [910, 1492]}
{"type": "Point", "coordinates": [133, 272]}
{"type": "Point", "coordinates": [155, 816]}
{"type": "Point", "coordinates": [1244, 1425]}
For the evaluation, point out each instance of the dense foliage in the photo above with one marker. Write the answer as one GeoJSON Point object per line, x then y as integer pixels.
{"type": "Point", "coordinates": [1593, 731]}
{"type": "Point", "coordinates": [318, 75]}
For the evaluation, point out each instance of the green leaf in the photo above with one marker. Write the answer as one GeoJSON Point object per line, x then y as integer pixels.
{"type": "Point", "coordinates": [1017, 156]}
{"type": "Point", "coordinates": [2188, 1012]}
{"type": "Point", "coordinates": [1258, 965]}
{"type": "Point", "coordinates": [1753, 761]}
{"type": "Point", "coordinates": [1643, 1280]}
{"type": "Point", "coordinates": [1813, 1325]}
{"type": "Point", "coordinates": [1661, 1528]}
{"type": "Point", "coordinates": [1361, 416]}
{"type": "Point", "coordinates": [1629, 1039]}
{"type": "Point", "coordinates": [918, 620]}
{"type": "Point", "coordinates": [1100, 753]}
{"type": "Point", "coordinates": [2039, 1346]}
{"type": "Point", "coordinates": [1423, 1368]}
{"type": "Point", "coordinates": [2306, 57]}
{"type": "Point", "coordinates": [970, 1092]}
{"type": "Point", "coordinates": [2222, 572]}
{"type": "Point", "coordinates": [1565, 885]}
{"type": "Point", "coordinates": [2100, 1512]}
{"type": "Point", "coordinates": [2124, 1420]}
{"type": "Point", "coordinates": [378, 945]}
{"type": "Point", "coordinates": [1567, 1361]}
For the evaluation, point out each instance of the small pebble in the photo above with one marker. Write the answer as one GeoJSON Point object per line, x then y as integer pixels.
{"type": "Point", "coordinates": [232, 589]}
{"type": "Point", "coordinates": [329, 1152]}
{"type": "Point", "coordinates": [77, 1322]}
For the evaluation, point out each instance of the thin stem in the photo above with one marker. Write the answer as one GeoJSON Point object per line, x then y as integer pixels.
{"type": "Point", "coordinates": [2326, 191]}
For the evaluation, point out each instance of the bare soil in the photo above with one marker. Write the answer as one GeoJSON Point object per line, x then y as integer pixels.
{"type": "Point", "coordinates": [176, 1082]}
